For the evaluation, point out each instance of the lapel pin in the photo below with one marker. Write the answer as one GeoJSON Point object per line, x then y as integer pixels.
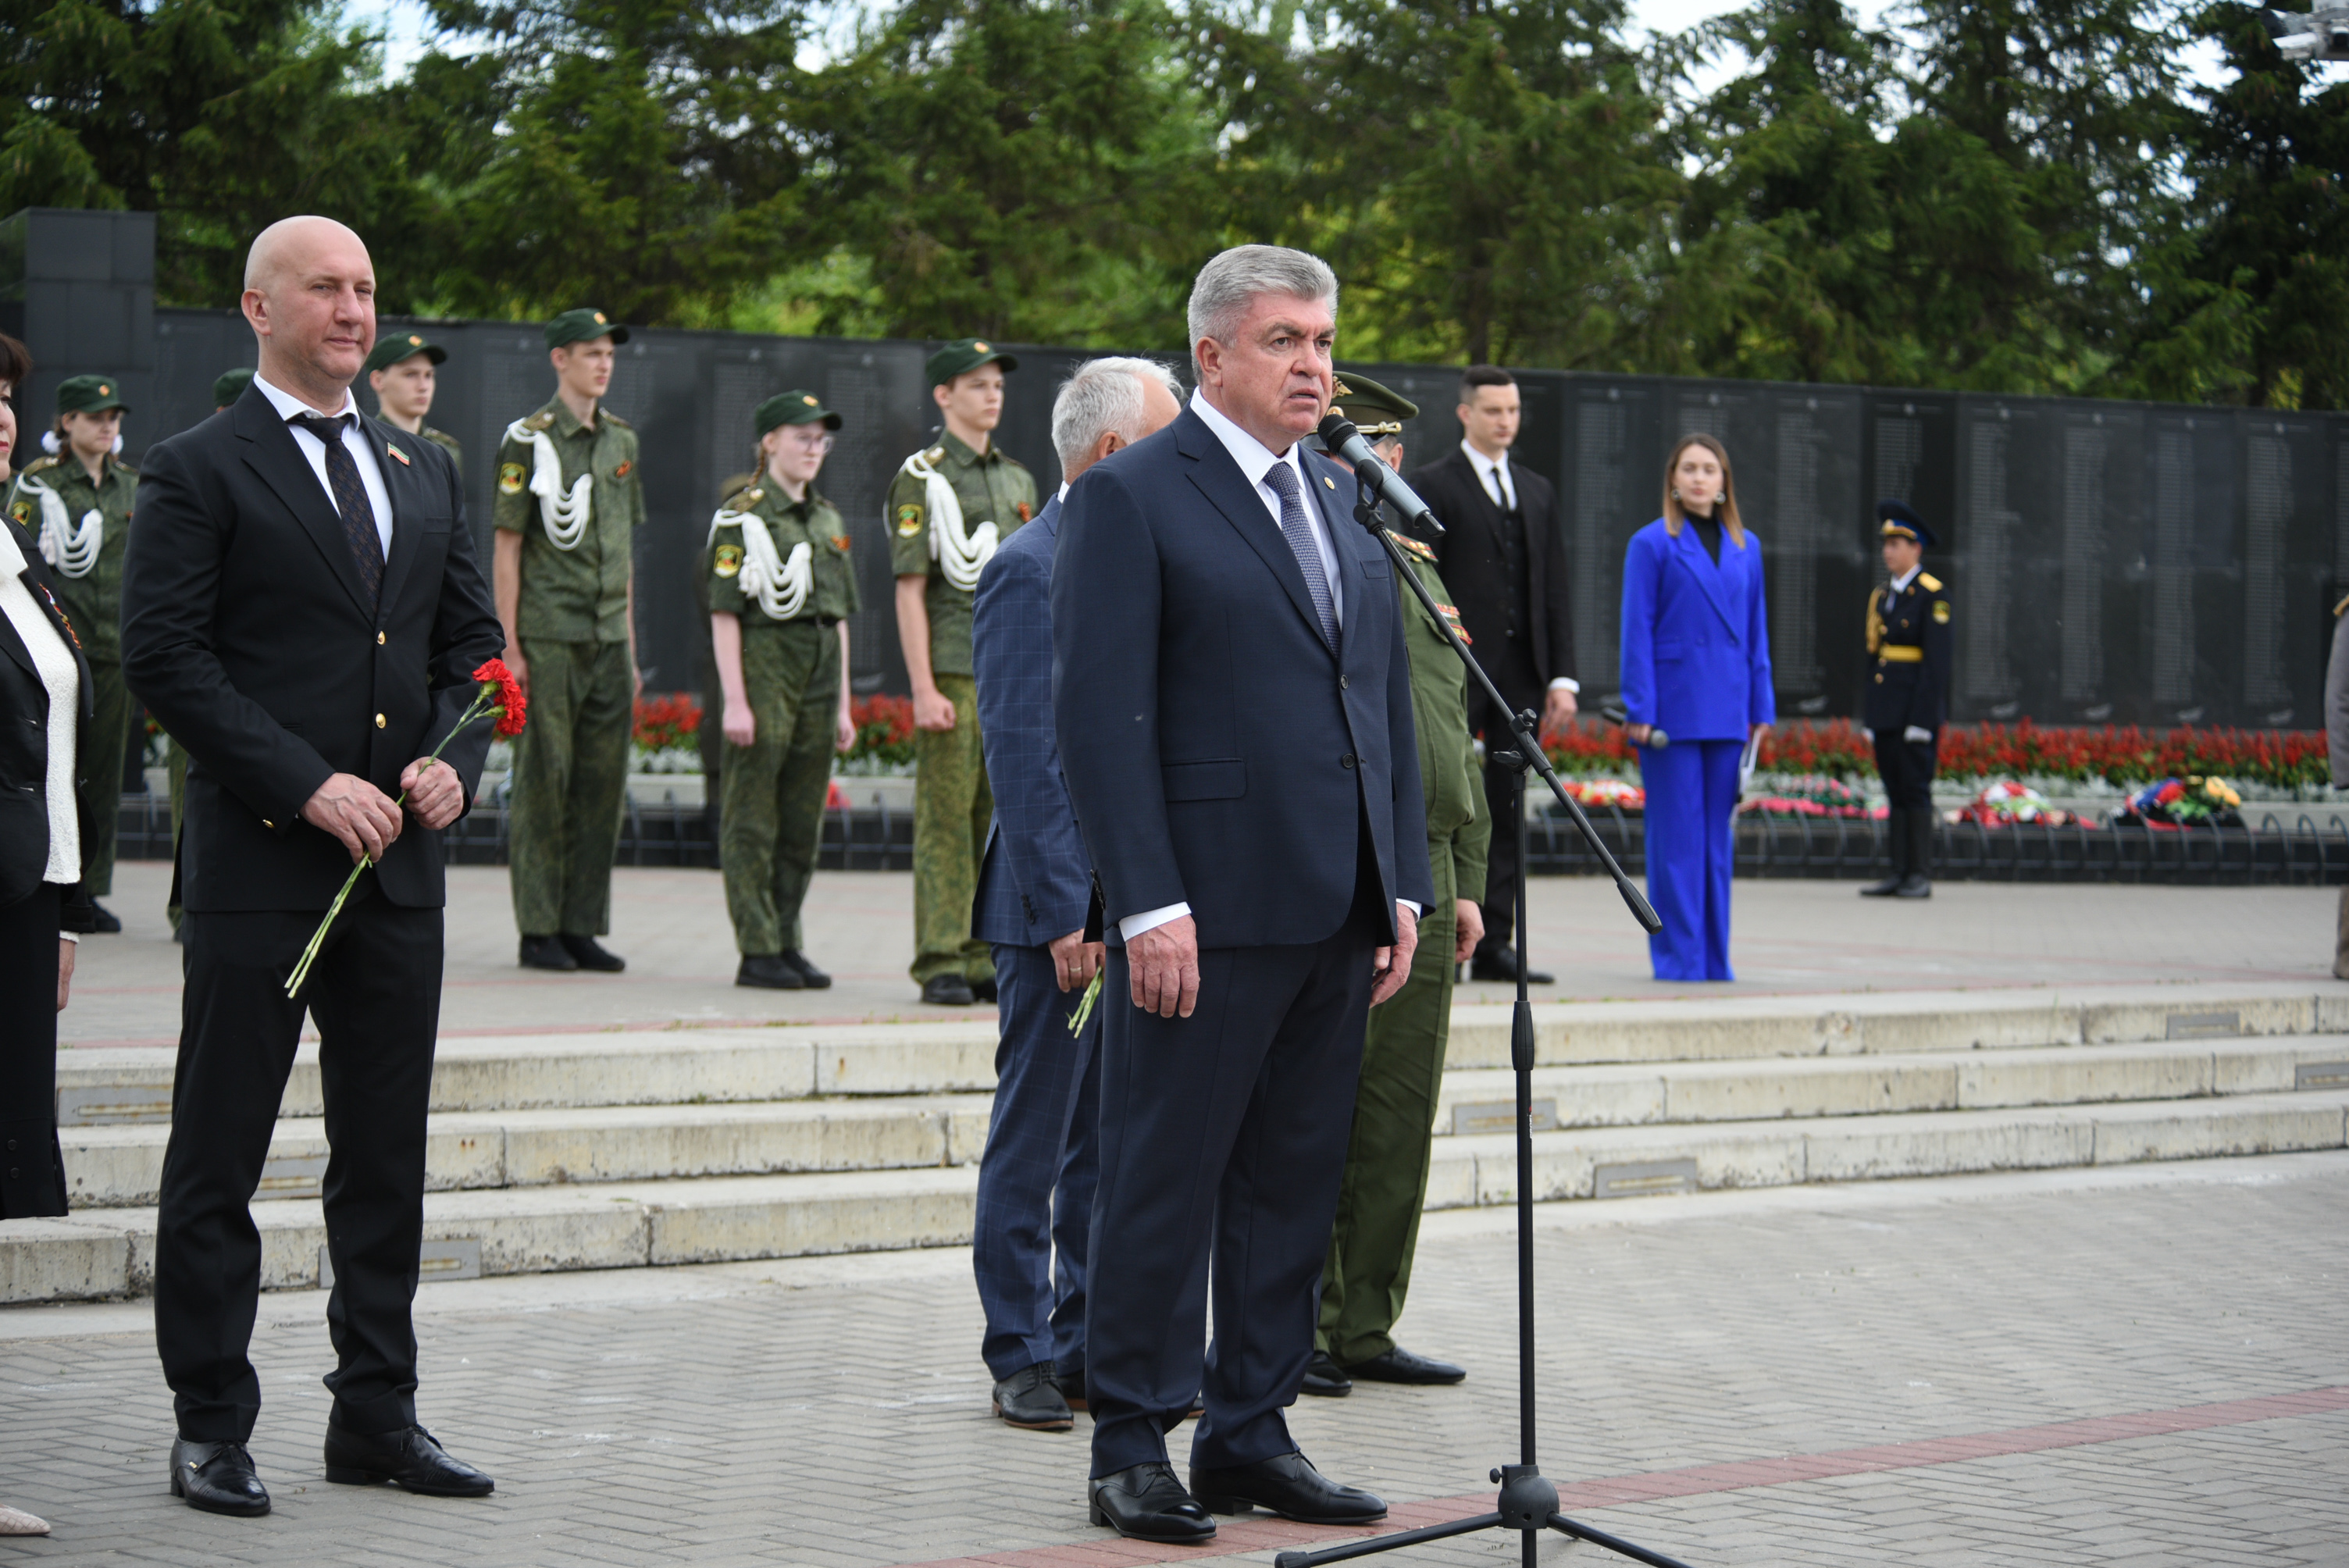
{"type": "Point", "coordinates": [1327, 481]}
{"type": "Point", "coordinates": [396, 452]}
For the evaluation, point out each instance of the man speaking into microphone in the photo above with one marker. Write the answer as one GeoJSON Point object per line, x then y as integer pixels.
{"type": "Point", "coordinates": [1234, 706]}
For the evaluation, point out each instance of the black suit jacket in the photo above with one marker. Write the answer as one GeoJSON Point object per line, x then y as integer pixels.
{"type": "Point", "coordinates": [1474, 558]}
{"type": "Point", "coordinates": [1217, 752]}
{"type": "Point", "coordinates": [25, 751]}
{"type": "Point", "coordinates": [248, 635]}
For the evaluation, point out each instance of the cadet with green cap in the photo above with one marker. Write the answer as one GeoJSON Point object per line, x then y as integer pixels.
{"type": "Point", "coordinates": [949, 507]}
{"type": "Point", "coordinates": [77, 502]}
{"type": "Point", "coordinates": [230, 385]}
{"type": "Point", "coordinates": [402, 370]}
{"type": "Point", "coordinates": [569, 501]}
{"type": "Point", "coordinates": [1367, 1272]}
{"type": "Point", "coordinates": [782, 588]}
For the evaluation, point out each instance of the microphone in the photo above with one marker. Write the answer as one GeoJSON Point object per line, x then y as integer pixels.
{"type": "Point", "coordinates": [1613, 713]}
{"type": "Point", "coordinates": [1337, 433]}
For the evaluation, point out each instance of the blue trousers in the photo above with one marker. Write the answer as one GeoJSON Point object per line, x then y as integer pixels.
{"type": "Point", "coordinates": [1691, 794]}
{"type": "Point", "coordinates": [1036, 1177]}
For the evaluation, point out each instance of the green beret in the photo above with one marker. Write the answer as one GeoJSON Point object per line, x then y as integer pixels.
{"type": "Point", "coordinates": [231, 386]}
{"type": "Point", "coordinates": [90, 394]}
{"type": "Point", "coordinates": [582, 325]}
{"type": "Point", "coordinates": [961, 356]}
{"type": "Point", "coordinates": [390, 349]}
{"type": "Point", "coordinates": [795, 408]}
{"type": "Point", "coordinates": [1377, 411]}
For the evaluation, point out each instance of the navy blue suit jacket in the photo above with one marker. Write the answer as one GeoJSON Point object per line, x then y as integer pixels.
{"type": "Point", "coordinates": [1219, 754]}
{"type": "Point", "coordinates": [1035, 883]}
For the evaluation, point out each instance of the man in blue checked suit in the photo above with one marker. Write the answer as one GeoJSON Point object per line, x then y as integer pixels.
{"type": "Point", "coordinates": [1035, 888]}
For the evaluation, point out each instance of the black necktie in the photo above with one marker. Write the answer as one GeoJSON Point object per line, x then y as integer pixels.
{"type": "Point", "coordinates": [350, 498]}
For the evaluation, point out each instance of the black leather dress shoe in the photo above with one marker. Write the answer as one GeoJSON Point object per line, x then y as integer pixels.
{"type": "Point", "coordinates": [1400, 1366]}
{"type": "Point", "coordinates": [1147, 1503]}
{"type": "Point", "coordinates": [946, 991]}
{"type": "Point", "coordinates": [1913, 886]}
{"type": "Point", "coordinates": [983, 990]}
{"type": "Point", "coordinates": [769, 973]}
{"type": "Point", "coordinates": [814, 978]}
{"type": "Point", "coordinates": [1030, 1400]}
{"type": "Point", "coordinates": [1288, 1485]}
{"type": "Point", "coordinates": [547, 952]}
{"type": "Point", "coordinates": [590, 953]}
{"type": "Point", "coordinates": [1501, 963]}
{"type": "Point", "coordinates": [1884, 889]}
{"type": "Point", "coordinates": [1071, 1381]}
{"type": "Point", "coordinates": [103, 919]}
{"type": "Point", "coordinates": [217, 1478]}
{"type": "Point", "coordinates": [1325, 1378]}
{"type": "Point", "coordinates": [411, 1458]}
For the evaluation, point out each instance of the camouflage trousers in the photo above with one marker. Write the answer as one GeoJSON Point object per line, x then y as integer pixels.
{"type": "Point", "coordinates": [773, 791]}
{"type": "Point", "coordinates": [109, 729]}
{"type": "Point", "coordinates": [1367, 1272]}
{"type": "Point", "coordinates": [952, 808]}
{"type": "Point", "coordinates": [570, 772]}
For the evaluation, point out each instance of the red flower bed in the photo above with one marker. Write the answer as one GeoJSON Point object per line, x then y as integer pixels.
{"type": "Point", "coordinates": [885, 727]}
{"type": "Point", "coordinates": [673, 719]}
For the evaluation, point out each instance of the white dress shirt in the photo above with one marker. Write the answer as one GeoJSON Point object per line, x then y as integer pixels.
{"type": "Point", "coordinates": [1901, 583]}
{"type": "Point", "coordinates": [290, 408]}
{"type": "Point", "coordinates": [1256, 460]}
{"type": "Point", "coordinates": [61, 677]}
{"type": "Point", "coordinates": [1493, 474]}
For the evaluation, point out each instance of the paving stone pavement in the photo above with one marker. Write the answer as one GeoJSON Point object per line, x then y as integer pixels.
{"type": "Point", "coordinates": [833, 1412]}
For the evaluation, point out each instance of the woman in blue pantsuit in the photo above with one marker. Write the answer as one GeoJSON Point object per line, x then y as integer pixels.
{"type": "Point", "coordinates": [1696, 668]}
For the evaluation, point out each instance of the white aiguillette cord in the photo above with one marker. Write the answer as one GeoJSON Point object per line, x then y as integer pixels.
{"type": "Point", "coordinates": [565, 516]}
{"type": "Point", "coordinates": [780, 587]}
{"type": "Point", "coordinates": [72, 550]}
{"type": "Point", "coordinates": [959, 555]}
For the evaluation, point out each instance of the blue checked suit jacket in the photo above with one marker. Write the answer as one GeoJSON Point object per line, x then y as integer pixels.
{"type": "Point", "coordinates": [1035, 883]}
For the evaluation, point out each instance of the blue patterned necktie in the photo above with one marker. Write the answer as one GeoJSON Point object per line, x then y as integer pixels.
{"type": "Point", "coordinates": [1283, 481]}
{"type": "Point", "coordinates": [350, 498]}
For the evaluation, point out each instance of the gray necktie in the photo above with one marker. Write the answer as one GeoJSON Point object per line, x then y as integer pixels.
{"type": "Point", "coordinates": [1283, 481]}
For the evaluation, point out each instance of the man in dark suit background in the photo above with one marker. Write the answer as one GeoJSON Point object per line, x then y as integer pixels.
{"type": "Point", "coordinates": [302, 612]}
{"type": "Point", "coordinates": [1504, 553]}
{"type": "Point", "coordinates": [1234, 706]}
{"type": "Point", "coordinates": [1036, 1177]}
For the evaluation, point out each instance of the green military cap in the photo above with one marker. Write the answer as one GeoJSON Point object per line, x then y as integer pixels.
{"type": "Point", "coordinates": [795, 408]}
{"type": "Point", "coordinates": [393, 348]}
{"type": "Point", "coordinates": [1377, 411]}
{"type": "Point", "coordinates": [965, 354]}
{"type": "Point", "coordinates": [582, 325]}
{"type": "Point", "coordinates": [231, 386]}
{"type": "Point", "coordinates": [89, 394]}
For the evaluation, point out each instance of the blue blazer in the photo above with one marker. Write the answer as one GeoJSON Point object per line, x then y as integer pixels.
{"type": "Point", "coordinates": [1696, 636]}
{"type": "Point", "coordinates": [1219, 753]}
{"type": "Point", "coordinates": [1035, 883]}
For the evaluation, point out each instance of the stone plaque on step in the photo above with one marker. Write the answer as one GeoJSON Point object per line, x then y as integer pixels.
{"type": "Point", "coordinates": [1644, 1180]}
{"type": "Point", "coordinates": [292, 1176]}
{"type": "Point", "coordinates": [110, 1104]}
{"type": "Point", "coordinates": [2320, 1074]}
{"type": "Point", "coordinates": [456, 1257]}
{"type": "Point", "coordinates": [2204, 1025]}
{"type": "Point", "coordinates": [1501, 1116]}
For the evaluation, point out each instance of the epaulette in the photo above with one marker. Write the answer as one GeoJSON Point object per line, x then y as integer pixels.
{"type": "Point", "coordinates": [543, 419]}
{"type": "Point", "coordinates": [1927, 581]}
{"type": "Point", "coordinates": [126, 467]}
{"type": "Point", "coordinates": [748, 496]}
{"type": "Point", "coordinates": [604, 413]}
{"type": "Point", "coordinates": [1424, 552]}
{"type": "Point", "coordinates": [935, 455]}
{"type": "Point", "coordinates": [2341, 606]}
{"type": "Point", "coordinates": [41, 464]}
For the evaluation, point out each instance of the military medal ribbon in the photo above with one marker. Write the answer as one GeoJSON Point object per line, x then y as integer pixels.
{"type": "Point", "coordinates": [496, 695]}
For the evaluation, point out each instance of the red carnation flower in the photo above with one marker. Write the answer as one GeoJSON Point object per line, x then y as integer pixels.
{"type": "Point", "coordinates": [511, 705]}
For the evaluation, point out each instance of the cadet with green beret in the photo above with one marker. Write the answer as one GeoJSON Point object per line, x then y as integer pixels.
{"type": "Point", "coordinates": [782, 588]}
{"type": "Point", "coordinates": [401, 368]}
{"type": "Point", "coordinates": [230, 385]}
{"type": "Point", "coordinates": [1367, 1272]}
{"type": "Point", "coordinates": [569, 501]}
{"type": "Point", "coordinates": [949, 507]}
{"type": "Point", "coordinates": [77, 502]}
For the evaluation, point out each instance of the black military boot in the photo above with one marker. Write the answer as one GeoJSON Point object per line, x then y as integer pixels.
{"type": "Point", "coordinates": [1916, 882]}
{"type": "Point", "coordinates": [1895, 833]}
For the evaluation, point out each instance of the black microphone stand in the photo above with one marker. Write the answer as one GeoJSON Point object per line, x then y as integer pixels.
{"type": "Point", "coordinates": [1527, 1503]}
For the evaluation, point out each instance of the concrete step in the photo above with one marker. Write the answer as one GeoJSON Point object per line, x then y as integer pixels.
{"type": "Point", "coordinates": [631, 1224]}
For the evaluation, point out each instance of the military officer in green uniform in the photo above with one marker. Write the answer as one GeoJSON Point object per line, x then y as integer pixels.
{"type": "Point", "coordinates": [403, 370]}
{"type": "Point", "coordinates": [1368, 1270]}
{"type": "Point", "coordinates": [569, 501]}
{"type": "Point", "coordinates": [77, 503]}
{"type": "Point", "coordinates": [782, 588]}
{"type": "Point", "coordinates": [949, 507]}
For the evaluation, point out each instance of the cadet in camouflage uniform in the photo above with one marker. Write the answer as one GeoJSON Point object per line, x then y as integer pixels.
{"type": "Point", "coordinates": [1367, 1272]}
{"type": "Point", "coordinates": [401, 371]}
{"type": "Point", "coordinates": [948, 508]}
{"type": "Point", "coordinates": [568, 505]}
{"type": "Point", "coordinates": [781, 587]}
{"type": "Point", "coordinates": [77, 503]}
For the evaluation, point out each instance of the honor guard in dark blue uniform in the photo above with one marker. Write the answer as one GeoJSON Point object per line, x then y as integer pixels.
{"type": "Point", "coordinates": [1908, 694]}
